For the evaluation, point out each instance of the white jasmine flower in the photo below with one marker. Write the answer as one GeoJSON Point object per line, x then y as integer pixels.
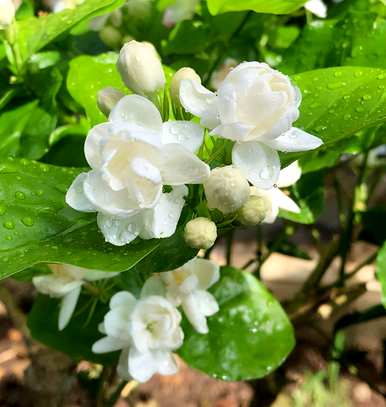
{"type": "Point", "coordinates": [59, 5]}
{"type": "Point", "coordinates": [132, 156]}
{"type": "Point", "coordinates": [7, 12]}
{"type": "Point", "coordinates": [200, 233]}
{"type": "Point", "coordinates": [65, 282]}
{"type": "Point", "coordinates": [316, 7]}
{"type": "Point", "coordinates": [276, 198]}
{"type": "Point", "coordinates": [146, 330]}
{"type": "Point", "coordinates": [186, 287]}
{"type": "Point", "coordinates": [226, 189]}
{"type": "Point", "coordinates": [254, 210]}
{"type": "Point", "coordinates": [180, 10]}
{"type": "Point", "coordinates": [255, 106]}
{"type": "Point", "coordinates": [140, 67]}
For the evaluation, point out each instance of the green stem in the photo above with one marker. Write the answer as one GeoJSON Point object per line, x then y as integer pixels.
{"type": "Point", "coordinates": [229, 244]}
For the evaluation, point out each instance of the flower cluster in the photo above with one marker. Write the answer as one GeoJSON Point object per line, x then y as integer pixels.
{"type": "Point", "coordinates": [147, 329]}
{"type": "Point", "coordinates": [141, 165]}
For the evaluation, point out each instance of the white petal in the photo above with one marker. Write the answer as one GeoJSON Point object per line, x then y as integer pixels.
{"type": "Point", "coordinates": [188, 134]}
{"type": "Point", "coordinates": [55, 286]}
{"type": "Point", "coordinates": [259, 163]}
{"type": "Point", "coordinates": [122, 298]}
{"type": "Point", "coordinates": [105, 199]}
{"type": "Point", "coordinates": [317, 7]}
{"type": "Point", "coordinates": [108, 344]}
{"type": "Point", "coordinates": [119, 230]}
{"type": "Point", "coordinates": [289, 175]}
{"type": "Point", "coordinates": [199, 101]}
{"type": "Point", "coordinates": [95, 139]}
{"type": "Point", "coordinates": [142, 366]}
{"type": "Point", "coordinates": [116, 323]}
{"type": "Point", "coordinates": [206, 271]}
{"type": "Point", "coordinates": [197, 306]}
{"type": "Point", "coordinates": [294, 140]}
{"type": "Point", "coordinates": [67, 307]}
{"type": "Point", "coordinates": [180, 166]}
{"type": "Point", "coordinates": [153, 286]}
{"type": "Point", "coordinates": [233, 131]}
{"type": "Point", "coordinates": [75, 196]}
{"type": "Point", "coordinates": [283, 201]}
{"type": "Point", "coordinates": [137, 111]}
{"type": "Point", "coordinates": [161, 221]}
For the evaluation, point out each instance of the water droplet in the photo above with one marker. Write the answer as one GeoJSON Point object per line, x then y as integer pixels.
{"type": "Point", "coordinates": [39, 192]}
{"type": "Point", "coordinates": [9, 224]}
{"type": "Point", "coordinates": [28, 221]}
{"type": "Point", "coordinates": [19, 195]}
{"type": "Point", "coordinates": [366, 97]}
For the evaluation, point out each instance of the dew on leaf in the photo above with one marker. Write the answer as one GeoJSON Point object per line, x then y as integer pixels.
{"type": "Point", "coordinates": [28, 221]}
{"type": "Point", "coordinates": [19, 195]}
{"type": "Point", "coordinates": [9, 225]}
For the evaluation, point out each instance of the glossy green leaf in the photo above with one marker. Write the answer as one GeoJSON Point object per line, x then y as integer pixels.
{"type": "Point", "coordinates": [37, 226]}
{"type": "Point", "coordinates": [354, 37]}
{"type": "Point", "coordinates": [308, 193]}
{"type": "Point", "coordinates": [338, 102]}
{"type": "Point", "coordinates": [12, 126]}
{"type": "Point", "coordinates": [381, 271]}
{"type": "Point", "coordinates": [79, 335]}
{"type": "Point", "coordinates": [34, 33]}
{"type": "Point", "coordinates": [259, 6]}
{"type": "Point", "coordinates": [89, 74]}
{"type": "Point", "coordinates": [248, 338]}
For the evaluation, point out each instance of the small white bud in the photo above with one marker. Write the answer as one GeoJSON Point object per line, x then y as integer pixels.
{"type": "Point", "coordinates": [7, 13]}
{"type": "Point", "coordinates": [110, 36]}
{"type": "Point", "coordinates": [254, 210]}
{"type": "Point", "coordinates": [107, 98]}
{"type": "Point", "coordinates": [140, 67]}
{"type": "Point", "coordinates": [226, 189]}
{"type": "Point", "coordinates": [200, 233]}
{"type": "Point", "coordinates": [181, 74]}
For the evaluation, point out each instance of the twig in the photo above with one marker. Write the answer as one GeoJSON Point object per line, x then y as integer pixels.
{"type": "Point", "coordinates": [229, 244]}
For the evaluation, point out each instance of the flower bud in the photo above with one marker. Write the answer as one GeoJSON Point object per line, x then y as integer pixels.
{"type": "Point", "coordinates": [107, 98]}
{"type": "Point", "coordinates": [181, 74]}
{"type": "Point", "coordinates": [7, 13]}
{"type": "Point", "coordinates": [140, 67]}
{"type": "Point", "coordinates": [254, 210]}
{"type": "Point", "coordinates": [200, 233]}
{"type": "Point", "coordinates": [226, 189]}
{"type": "Point", "coordinates": [110, 36]}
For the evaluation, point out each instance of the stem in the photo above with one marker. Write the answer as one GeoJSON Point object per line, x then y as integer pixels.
{"type": "Point", "coordinates": [229, 242]}
{"type": "Point", "coordinates": [116, 394]}
{"type": "Point", "coordinates": [259, 251]}
{"type": "Point", "coordinates": [345, 242]}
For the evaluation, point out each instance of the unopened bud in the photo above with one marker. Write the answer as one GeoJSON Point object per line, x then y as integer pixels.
{"type": "Point", "coordinates": [107, 98]}
{"type": "Point", "coordinates": [110, 36]}
{"type": "Point", "coordinates": [226, 189]}
{"type": "Point", "coordinates": [7, 13]}
{"type": "Point", "coordinates": [181, 74]}
{"type": "Point", "coordinates": [200, 233]}
{"type": "Point", "coordinates": [254, 210]}
{"type": "Point", "coordinates": [140, 67]}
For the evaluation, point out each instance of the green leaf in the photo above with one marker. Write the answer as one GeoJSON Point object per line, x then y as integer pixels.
{"type": "Point", "coordinates": [34, 33]}
{"type": "Point", "coordinates": [12, 125]}
{"type": "Point", "coordinates": [89, 74]}
{"type": "Point", "coordinates": [37, 226]}
{"type": "Point", "coordinates": [308, 193]}
{"type": "Point", "coordinates": [259, 6]}
{"type": "Point", "coordinates": [354, 37]}
{"type": "Point", "coordinates": [79, 335]}
{"type": "Point", "coordinates": [381, 271]}
{"type": "Point", "coordinates": [248, 338]}
{"type": "Point", "coordinates": [338, 102]}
